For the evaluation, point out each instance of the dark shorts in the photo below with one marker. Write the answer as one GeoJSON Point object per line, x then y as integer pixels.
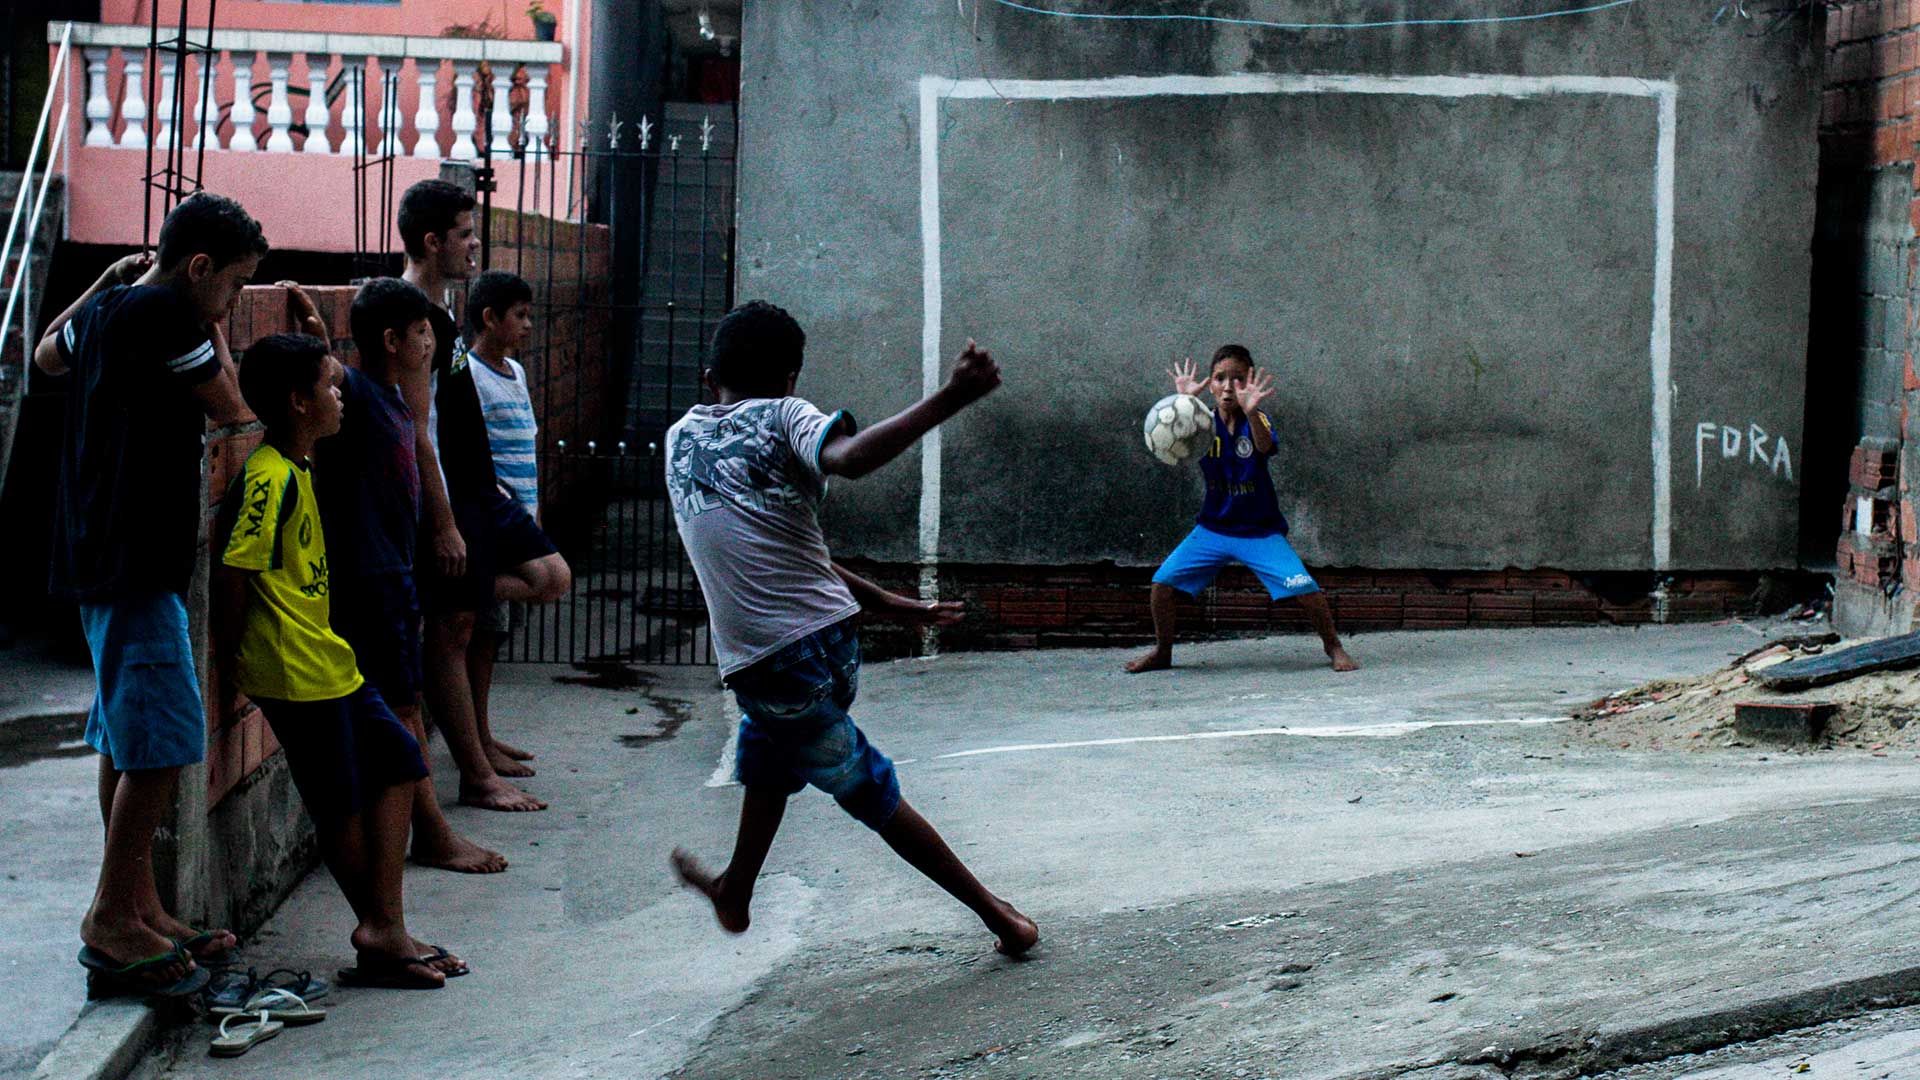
{"type": "Point", "coordinates": [500, 535]}
{"type": "Point", "coordinates": [343, 752]}
{"type": "Point", "coordinates": [379, 615]}
{"type": "Point", "coordinates": [795, 729]}
{"type": "Point", "coordinates": [146, 707]}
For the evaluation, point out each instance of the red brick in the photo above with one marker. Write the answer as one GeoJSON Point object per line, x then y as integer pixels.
{"type": "Point", "coordinates": [1412, 622]}
{"type": "Point", "coordinates": [1477, 580]}
{"type": "Point", "coordinates": [254, 746]}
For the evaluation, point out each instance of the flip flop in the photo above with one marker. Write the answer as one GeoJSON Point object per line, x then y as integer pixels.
{"type": "Point", "coordinates": [440, 953]}
{"type": "Point", "coordinates": [308, 985]}
{"type": "Point", "coordinates": [285, 1006]}
{"type": "Point", "coordinates": [245, 1036]}
{"type": "Point", "coordinates": [105, 978]}
{"type": "Point", "coordinates": [388, 972]}
{"type": "Point", "coordinates": [198, 938]}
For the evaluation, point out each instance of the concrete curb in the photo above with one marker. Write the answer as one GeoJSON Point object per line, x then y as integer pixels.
{"type": "Point", "coordinates": [105, 1043]}
{"type": "Point", "coordinates": [1569, 1054]}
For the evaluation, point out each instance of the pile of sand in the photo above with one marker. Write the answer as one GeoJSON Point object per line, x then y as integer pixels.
{"type": "Point", "coordinates": [1875, 711]}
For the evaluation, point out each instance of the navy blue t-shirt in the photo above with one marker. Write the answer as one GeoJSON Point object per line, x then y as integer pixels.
{"type": "Point", "coordinates": [127, 514]}
{"type": "Point", "coordinates": [1240, 498]}
{"type": "Point", "coordinates": [368, 481]}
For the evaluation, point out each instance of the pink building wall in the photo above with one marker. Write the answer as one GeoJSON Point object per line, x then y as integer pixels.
{"type": "Point", "coordinates": [306, 202]}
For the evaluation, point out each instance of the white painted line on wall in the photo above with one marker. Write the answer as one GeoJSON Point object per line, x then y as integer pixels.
{"type": "Point", "coordinates": [1336, 731]}
{"type": "Point", "coordinates": [934, 89]}
{"type": "Point", "coordinates": [1662, 345]}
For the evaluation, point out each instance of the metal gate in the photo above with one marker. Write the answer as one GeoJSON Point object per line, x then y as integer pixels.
{"type": "Point", "coordinates": [624, 305]}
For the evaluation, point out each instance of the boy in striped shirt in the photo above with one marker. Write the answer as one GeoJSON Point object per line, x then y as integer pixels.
{"type": "Point", "coordinates": [499, 324]}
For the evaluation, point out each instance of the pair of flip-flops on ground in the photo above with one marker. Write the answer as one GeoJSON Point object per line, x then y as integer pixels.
{"type": "Point", "coordinates": [396, 972]}
{"type": "Point", "coordinates": [107, 978]}
{"type": "Point", "coordinates": [259, 1018]}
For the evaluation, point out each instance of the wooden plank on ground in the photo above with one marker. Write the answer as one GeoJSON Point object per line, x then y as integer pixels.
{"type": "Point", "coordinates": [1883, 655]}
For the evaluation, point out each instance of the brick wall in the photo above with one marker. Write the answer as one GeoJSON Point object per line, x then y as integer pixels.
{"type": "Point", "coordinates": [1021, 607]}
{"type": "Point", "coordinates": [1865, 317]}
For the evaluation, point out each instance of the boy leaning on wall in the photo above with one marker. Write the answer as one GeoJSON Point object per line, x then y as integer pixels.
{"type": "Point", "coordinates": [148, 367]}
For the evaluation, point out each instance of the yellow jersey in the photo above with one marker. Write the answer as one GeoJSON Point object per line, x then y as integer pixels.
{"type": "Point", "coordinates": [288, 650]}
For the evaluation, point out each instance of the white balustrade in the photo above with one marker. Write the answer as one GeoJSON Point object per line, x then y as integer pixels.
{"type": "Point", "coordinates": [163, 109]}
{"type": "Point", "coordinates": [318, 114]}
{"type": "Point", "coordinates": [426, 118]}
{"type": "Point", "coordinates": [99, 106]}
{"type": "Point", "coordinates": [133, 103]}
{"type": "Point", "coordinates": [500, 124]}
{"type": "Point", "coordinates": [353, 73]}
{"type": "Point", "coordinates": [279, 110]}
{"type": "Point", "coordinates": [370, 119]}
{"type": "Point", "coordinates": [464, 120]}
{"type": "Point", "coordinates": [242, 112]}
{"type": "Point", "coordinates": [536, 124]}
{"type": "Point", "coordinates": [206, 105]}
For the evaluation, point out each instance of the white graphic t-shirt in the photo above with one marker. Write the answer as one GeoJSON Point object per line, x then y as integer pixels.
{"type": "Point", "coordinates": [746, 487]}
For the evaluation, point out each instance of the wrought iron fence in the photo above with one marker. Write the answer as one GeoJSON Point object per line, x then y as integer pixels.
{"type": "Point", "coordinates": [627, 242]}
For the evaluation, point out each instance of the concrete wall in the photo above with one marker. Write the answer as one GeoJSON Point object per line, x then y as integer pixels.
{"type": "Point", "coordinates": [1456, 293]}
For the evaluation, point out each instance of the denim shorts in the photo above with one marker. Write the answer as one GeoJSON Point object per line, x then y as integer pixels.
{"type": "Point", "coordinates": [795, 730]}
{"type": "Point", "coordinates": [343, 752]}
{"type": "Point", "coordinates": [146, 710]}
{"type": "Point", "coordinates": [1204, 553]}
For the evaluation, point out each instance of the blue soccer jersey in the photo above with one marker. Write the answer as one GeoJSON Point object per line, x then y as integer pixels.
{"type": "Point", "coordinates": [1240, 498]}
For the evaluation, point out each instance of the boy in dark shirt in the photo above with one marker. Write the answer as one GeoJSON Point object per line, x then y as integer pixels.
{"type": "Point", "coordinates": [1240, 520]}
{"type": "Point", "coordinates": [368, 484]}
{"type": "Point", "coordinates": [484, 547]}
{"type": "Point", "coordinates": [149, 367]}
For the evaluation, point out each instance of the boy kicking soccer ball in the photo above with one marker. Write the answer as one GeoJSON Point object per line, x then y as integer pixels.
{"type": "Point", "coordinates": [746, 477]}
{"type": "Point", "coordinates": [1240, 520]}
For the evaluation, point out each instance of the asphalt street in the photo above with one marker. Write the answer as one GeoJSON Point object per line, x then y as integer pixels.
{"type": "Point", "coordinates": [1248, 866]}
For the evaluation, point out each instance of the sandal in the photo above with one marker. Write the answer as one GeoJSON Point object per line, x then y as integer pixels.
{"type": "Point", "coordinates": [105, 978]}
{"type": "Point", "coordinates": [377, 970]}
{"type": "Point", "coordinates": [195, 944]}
{"type": "Point", "coordinates": [244, 1037]}
{"type": "Point", "coordinates": [282, 1005]}
{"type": "Point", "coordinates": [308, 985]}
{"type": "Point", "coordinates": [440, 953]}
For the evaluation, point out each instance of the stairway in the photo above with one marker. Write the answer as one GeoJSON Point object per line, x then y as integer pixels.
{"type": "Point", "coordinates": [33, 259]}
{"type": "Point", "coordinates": [688, 262]}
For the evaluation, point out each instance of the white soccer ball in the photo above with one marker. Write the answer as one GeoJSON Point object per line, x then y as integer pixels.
{"type": "Point", "coordinates": [1179, 428]}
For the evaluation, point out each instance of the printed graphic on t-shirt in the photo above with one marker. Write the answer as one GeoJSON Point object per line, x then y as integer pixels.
{"type": "Point", "coordinates": [748, 457]}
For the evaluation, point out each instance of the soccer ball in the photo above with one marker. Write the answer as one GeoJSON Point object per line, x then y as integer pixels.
{"type": "Point", "coordinates": [1179, 428]}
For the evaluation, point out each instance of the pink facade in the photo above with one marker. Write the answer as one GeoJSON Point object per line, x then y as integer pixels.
{"type": "Point", "coordinates": [303, 193]}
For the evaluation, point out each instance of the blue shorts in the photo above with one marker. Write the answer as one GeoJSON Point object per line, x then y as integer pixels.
{"type": "Point", "coordinates": [499, 535]}
{"type": "Point", "coordinates": [147, 712]}
{"type": "Point", "coordinates": [343, 752]}
{"type": "Point", "coordinates": [795, 730]}
{"type": "Point", "coordinates": [1193, 565]}
{"type": "Point", "coordinates": [379, 615]}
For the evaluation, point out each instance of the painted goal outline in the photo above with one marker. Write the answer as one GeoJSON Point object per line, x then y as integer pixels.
{"type": "Point", "coordinates": [936, 89]}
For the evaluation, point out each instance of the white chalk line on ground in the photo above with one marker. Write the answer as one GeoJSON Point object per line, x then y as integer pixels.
{"type": "Point", "coordinates": [723, 773]}
{"type": "Point", "coordinates": [1331, 731]}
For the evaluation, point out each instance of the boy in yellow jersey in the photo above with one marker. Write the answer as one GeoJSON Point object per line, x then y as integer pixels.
{"type": "Point", "coordinates": [354, 763]}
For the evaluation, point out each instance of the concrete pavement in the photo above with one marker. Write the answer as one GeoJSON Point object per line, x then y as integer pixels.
{"type": "Point", "coordinates": [1246, 866]}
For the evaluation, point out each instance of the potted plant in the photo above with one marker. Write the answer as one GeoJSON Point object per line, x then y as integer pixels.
{"type": "Point", "coordinates": [543, 21]}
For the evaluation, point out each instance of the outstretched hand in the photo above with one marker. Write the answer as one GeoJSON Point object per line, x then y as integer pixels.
{"type": "Point", "coordinates": [1186, 377]}
{"type": "Point", "coordinates": [1252, 390]}
{"type": "Point", "coordinates": [975, 375]}
{"type": "Point", "coordinates": [929, 612]}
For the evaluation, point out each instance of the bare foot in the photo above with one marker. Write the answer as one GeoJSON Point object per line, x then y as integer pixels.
{"type": "Point", "coordinates": [732, 914]}
{"type": "Point", "coordinates": [1017, 933]}
{"type": "Point", "coordinates": [210, 944]}
{"type": "Point", "coordinates": [458, 854]}
{"type": "Point", "coordinates": [1341, 661]}
{"type": "Point", "coordinates": [504, 765]}
{"type": "Point", "coordinates": [440, 959]}
{"type": "Point", "coordinates": [512, 751]}
{"type": "Point", "coordinates": [498, 794]}
{"type": "Point", "coordinates": [399, 950]}
{"type": "Point", "coordinates": [1156, 660]}
{"type": "Point", "coordinates": [126, 943]}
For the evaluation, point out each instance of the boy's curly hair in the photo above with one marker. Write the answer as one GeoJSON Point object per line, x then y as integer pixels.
{"type": "Point", "coordinates": [1230, 352]}
{"type": "Point", "coordinates": [756, 347]}
{"type": "Point", "coordinates": [210, 225]}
